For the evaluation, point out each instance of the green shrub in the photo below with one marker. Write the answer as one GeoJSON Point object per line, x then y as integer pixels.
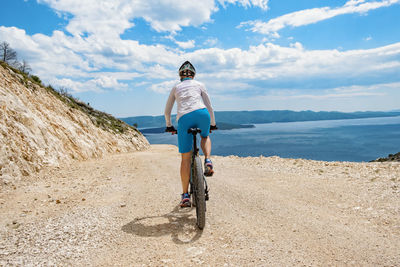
{"type": "Point", "coordinates": [36, 79]}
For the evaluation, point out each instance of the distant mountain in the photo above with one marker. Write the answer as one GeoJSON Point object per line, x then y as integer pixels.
{"type": "Point", "coordinates": [264, 116]}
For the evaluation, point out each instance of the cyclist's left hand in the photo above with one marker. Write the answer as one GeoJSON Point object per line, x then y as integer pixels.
{"type": "Point", "coordinates": [213, 128]}
{"type": "Point", "coordinates": [171, 129]}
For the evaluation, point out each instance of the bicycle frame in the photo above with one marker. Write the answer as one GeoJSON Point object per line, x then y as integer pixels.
{"type": "Point", "coordinates": [195, 153]}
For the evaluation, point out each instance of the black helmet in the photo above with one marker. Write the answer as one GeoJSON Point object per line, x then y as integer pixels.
{"type": "Point", "coordinates": [187, 69]}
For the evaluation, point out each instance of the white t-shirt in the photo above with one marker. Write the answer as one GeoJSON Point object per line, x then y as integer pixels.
{"type": "Point", "coordinates": [190, 95]}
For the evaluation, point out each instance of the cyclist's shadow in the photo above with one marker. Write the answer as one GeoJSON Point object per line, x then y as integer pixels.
{"type": "Point", "coordinates": [181, 226]}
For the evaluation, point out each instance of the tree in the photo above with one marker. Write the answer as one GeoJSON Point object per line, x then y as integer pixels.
{"type": "Point", "coordinates": [24, 67]}
{"type": "Point", "coordinates": [7, 54]}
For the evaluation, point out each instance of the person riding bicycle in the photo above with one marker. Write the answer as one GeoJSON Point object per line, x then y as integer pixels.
{"type": "Point", "coordinates": [193, 110]}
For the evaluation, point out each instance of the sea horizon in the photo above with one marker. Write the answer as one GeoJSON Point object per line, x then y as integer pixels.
{"type": "Point", "coordinates": [354, 140]}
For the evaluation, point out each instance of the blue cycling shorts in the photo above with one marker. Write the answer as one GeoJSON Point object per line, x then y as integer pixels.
{"type": "Point", "coordinates": [196, 119]}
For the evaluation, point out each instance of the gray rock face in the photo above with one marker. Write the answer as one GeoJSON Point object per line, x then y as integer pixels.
{"type": "Point", "coordinates": [37, 129]}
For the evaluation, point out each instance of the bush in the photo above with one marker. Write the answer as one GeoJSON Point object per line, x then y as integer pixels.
{"type": "Point", "coordinates": [36, 79]}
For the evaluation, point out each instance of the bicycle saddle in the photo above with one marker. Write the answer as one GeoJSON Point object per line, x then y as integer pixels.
{"type": "Point", "coordinates": [194, 131]}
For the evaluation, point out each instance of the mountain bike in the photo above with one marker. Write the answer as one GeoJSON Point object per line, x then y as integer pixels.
{"type": "Point", "coordinates": [198, 184]}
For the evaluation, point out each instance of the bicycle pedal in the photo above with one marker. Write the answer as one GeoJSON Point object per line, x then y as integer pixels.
{"type": "Point", "coordinates": [209, 173]}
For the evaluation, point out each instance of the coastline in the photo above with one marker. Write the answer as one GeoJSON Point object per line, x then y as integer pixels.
{"type": "Point", "coordinates": [358, 140]}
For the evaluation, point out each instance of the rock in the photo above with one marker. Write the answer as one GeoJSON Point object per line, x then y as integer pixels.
{"type": "Point", "coordinates": [5, 179]}
{"type": "Point", "coordinates": [390, 157]}
{"type": "Point", "coordinates": [45, 130]}
{"type": "Point", "coordinates": [15, 224]}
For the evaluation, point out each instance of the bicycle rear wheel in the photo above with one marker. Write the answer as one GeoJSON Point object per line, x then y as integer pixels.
{"type": "Point", "coordinates": [199, 193]}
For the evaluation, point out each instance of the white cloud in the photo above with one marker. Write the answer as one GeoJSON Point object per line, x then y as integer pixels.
{"type": "Point", "coordinates": [221, 87]}
{"type": "Point", "coordinates": [62, 55]}
{"type": "Point", "coordinates": [366, 88]}
{"type": "Point", "coordinates": [186, 45]}
{"type": "Point", "coordinates": [78, 61]}
{"type": "Point", "coordinates": [103, 18]}
{"type": "Point", "coordinates": [98, 84]}
{"type": "Point", "coordinates": [166, 15]}
{"type": "Point", "coordinates": [112, 18]}
{"type": "Point", "coordinates": [48, 55]}
{"type": "Point", "coordinates": [354, 2]}
{"type": "Point", "coordinates": [263, 4]}
{"type": "Point", "coordinates": [109, 82]}
{"type": "Point", "coordinates": [74, 86]}
{"type": "Point", "coordinates": [267, 62]}
{"type": "Point", "coordinates": [309, 16]}
{"type": "Point", "coordinates": [75, 58]}
{"type": "Point", "coordinates": [163, 87]}
{"type": "Point", "coordinates": [337, 95]}
{"type": "Point", "coordinates": [344, 98]}
{"type": "Point", "coordinates": [349, 92]}
{"type": "Point", "coordinates": [160, 72]}
{"type": "Point", "coordinates": [211, 42]}
{"type": "Point", "coordinates": [120, 75]}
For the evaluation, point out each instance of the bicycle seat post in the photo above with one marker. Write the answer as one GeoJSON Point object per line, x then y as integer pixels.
{"type": "Point", "coordinates": [194, 131]}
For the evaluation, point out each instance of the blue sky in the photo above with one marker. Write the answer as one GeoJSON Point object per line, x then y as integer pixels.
{"type": "Point", "coordinates": [122, 56]}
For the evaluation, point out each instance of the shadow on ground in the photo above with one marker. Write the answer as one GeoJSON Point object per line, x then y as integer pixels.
{"type": "Point", "coordinates": [179, 223]}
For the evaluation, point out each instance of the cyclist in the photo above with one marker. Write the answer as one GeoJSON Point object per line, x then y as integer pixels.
{"type": "Point", "coordinates": [193, 110]}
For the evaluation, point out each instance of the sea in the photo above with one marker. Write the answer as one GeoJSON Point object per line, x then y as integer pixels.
{"type": "Point", "coordinates": [355, 140]}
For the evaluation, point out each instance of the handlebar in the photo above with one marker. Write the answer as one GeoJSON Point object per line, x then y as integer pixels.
{"type": "Point", "coordinates": [172, 130]}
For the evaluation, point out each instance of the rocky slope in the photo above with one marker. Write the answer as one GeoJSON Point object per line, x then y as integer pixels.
{"type": "Point", "coordinates": [390, 157]}
{"type": "Point", "coordinates": [41, 127]}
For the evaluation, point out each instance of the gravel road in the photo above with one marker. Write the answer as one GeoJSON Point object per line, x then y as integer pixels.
{"type": "Point", "coordinates": [121, 210]}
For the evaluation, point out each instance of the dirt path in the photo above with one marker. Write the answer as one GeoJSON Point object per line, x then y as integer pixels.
{"type": "Point", "coordinates": [122, 211]}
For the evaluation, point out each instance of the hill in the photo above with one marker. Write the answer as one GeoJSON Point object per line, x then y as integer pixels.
{"type": "Point", "coordinates": [43, 127]}
{"type": "Point", "coordinates": [264, 116]}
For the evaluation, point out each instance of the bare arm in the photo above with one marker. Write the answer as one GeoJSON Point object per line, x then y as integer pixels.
{"type": "Point", "coordinates": [168, 107]}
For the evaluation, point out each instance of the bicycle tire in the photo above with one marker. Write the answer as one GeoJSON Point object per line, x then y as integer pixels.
{"type": "Point", "coordinates": [199, 193]}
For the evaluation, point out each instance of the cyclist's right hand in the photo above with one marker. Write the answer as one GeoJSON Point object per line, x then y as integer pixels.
{"type": "Point", "coordinates": [171, 129]}
{"type": "Point", "coordinates": [213, 128]}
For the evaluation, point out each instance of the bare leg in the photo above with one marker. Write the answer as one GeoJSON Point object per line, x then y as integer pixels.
{"type": "Point", "coordinates": [185, 171]}
{"type": "Point", "coordinates": [206, 146]}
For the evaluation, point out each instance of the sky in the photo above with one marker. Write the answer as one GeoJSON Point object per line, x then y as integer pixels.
{"type": "Point", "coordinates": [122, 56]}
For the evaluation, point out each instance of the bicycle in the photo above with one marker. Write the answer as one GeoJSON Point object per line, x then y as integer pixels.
{"type": "Point", "coordinates": [198, 184]}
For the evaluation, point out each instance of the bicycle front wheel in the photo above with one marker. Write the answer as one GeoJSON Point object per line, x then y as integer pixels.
{"type": "Point", "coordinates": [199, 193]}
